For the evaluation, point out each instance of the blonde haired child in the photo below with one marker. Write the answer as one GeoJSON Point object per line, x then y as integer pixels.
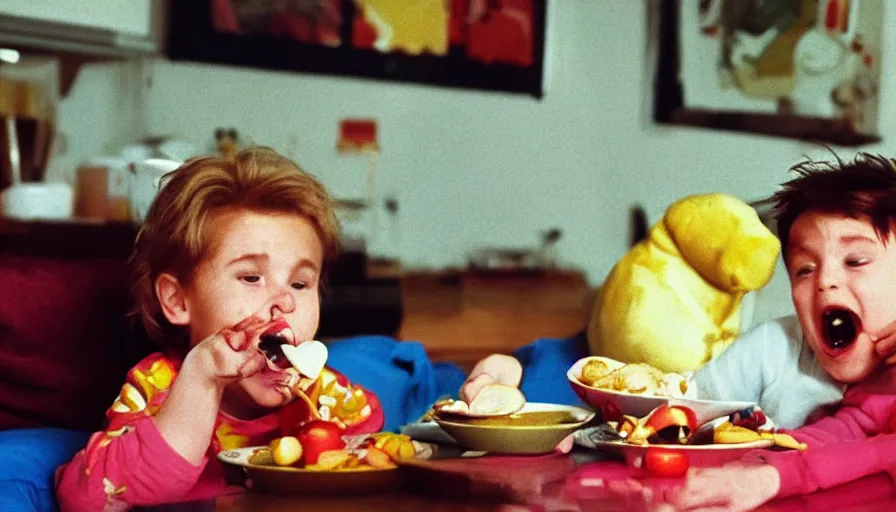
{"type": "Point", "coordinates": [231, 249]}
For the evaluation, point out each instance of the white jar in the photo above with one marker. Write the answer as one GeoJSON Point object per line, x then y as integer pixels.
{"type": "Point", "coordinates": [145, 182]}
{"type": "Point", "coordinates": [38, 201]}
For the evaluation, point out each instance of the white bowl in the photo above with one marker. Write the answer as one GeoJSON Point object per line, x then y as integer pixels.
{"type": "Point", "coordinates": [145, 184]}
{"type": "Point", "coordinates": [38, 201]}
{"type": "Point", "coordinates": [613, 404]}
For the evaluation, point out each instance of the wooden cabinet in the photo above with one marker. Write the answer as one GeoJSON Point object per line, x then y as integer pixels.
{"type": "Point", "coordinates": [465, 316]}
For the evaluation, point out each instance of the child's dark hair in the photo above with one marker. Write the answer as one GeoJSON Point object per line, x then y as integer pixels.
{"type": "Point", "coordinates": [864, 187]}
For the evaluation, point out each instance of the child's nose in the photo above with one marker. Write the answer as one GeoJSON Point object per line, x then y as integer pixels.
{"type": "Point", "coordinates": [283, 303]}
{"type": "Point", "coordinates": [828, 278]}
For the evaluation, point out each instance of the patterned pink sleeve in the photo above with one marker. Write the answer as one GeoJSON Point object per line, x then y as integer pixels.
{"type": "Point", "coordinates": [131, 466]}
{"type": "Point", "coordinates": [849, 445]}
{"type": "Point", "coordinates": [832, 465]}
{"type": "Point", "coordinates": [129, 463]}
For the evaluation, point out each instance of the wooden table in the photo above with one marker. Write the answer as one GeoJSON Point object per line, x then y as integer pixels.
{"type": "Point", "coordinates": [394, 502]}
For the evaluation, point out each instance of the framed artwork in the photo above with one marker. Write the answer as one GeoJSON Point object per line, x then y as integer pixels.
{"type": "Point", "coordinates": [804, 69]}
{"type": "Point", "coordinates": [493, 45]}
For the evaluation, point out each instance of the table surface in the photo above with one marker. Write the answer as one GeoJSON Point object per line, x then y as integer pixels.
{"type": "Point", "coordinates": [580, 481]}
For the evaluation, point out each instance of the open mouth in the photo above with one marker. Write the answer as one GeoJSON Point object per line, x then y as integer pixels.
{"type": "Point", "coordinates": [840, 328]}
{"type": "Point", "coordinates": [271, 345]}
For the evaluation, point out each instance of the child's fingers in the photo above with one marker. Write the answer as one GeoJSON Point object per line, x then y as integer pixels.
{"type": "Point", "coordinates": [474, 385]}
{"type": "Point", "coordinates": [245, 334]}
{"type": "Point", "coordinates": [700, 490]}
{"type": "Point", "coordinates": [886, 346]}
{"type": "Point", "coordinates": [252, 365]}
{"type": "Point", "coordinates": [249, 323]}
{"type": "Point", "coordinates": [241, 341]}
{"type": "Point", "coordinates": [567, 444]}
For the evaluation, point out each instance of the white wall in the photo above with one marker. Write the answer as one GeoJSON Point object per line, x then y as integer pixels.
{"type": "Point", "coordinates": [102, 112]}
{"type": "Point", "coordinates": [472, 169]}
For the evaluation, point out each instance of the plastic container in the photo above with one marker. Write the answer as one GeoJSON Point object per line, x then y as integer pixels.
{"type": "Point", "coordinates": [38, 201]}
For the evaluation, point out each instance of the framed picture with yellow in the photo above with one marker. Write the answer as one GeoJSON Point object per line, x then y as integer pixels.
{"type": "Point", "coordinates": [803, 69]}
{"type": "Point", "coordinates": [495, 45]}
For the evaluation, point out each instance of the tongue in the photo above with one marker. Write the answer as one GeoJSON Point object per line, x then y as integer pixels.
{"type": "Point", "coordinates": [839, 328]}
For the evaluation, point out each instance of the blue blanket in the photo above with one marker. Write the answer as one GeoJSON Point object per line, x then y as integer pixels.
{"type": "Point", "coordinates": [399, 373]}
{"type": "Point", "coordinates": [28, 459]}
{"type": "Point", "coordinates": [545, 362]}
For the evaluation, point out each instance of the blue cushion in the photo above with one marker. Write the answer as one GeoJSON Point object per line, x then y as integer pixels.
{"type": "Point", "coordinates": [28, 459]}
{"type": "Point", "coordinates": [399, 373]}
{"type": "Point", "coordinates": [545, 362]}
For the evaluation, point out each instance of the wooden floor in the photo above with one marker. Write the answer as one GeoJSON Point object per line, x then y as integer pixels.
{"type": "Point", "coordinates": [463, 317]}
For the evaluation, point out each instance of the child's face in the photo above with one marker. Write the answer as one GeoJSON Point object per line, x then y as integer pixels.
{"type": "Point", "coordinates": [261, 264]}
{"type": "Point", "coordinates": [843, 283]}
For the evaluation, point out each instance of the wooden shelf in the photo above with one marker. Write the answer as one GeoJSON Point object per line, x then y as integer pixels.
{"type": "Point", "coordinates": [462, 317]}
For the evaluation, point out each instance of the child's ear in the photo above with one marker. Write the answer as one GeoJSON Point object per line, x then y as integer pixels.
{"type": "Point", "coordinates": [172, 298]}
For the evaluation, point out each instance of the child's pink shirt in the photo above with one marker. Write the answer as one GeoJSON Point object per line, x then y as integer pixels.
{"type": "Point", "coordinates": [855, 442]}
{"type": "Point", "coordinates": [131, 464]}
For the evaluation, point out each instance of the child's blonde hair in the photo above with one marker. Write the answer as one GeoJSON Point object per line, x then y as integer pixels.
{"type": "Point", "coordinates": [173, 239]}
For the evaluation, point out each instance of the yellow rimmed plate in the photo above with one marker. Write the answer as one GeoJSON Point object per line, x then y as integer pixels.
{"type": "Point", "coordinates": [265, 476]}
{"type": "Point", "coordinates": [536, 429]}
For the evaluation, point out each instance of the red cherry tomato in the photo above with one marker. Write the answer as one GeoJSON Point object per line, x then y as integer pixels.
{"type": "Point", "coordinates": [319, 436]}
{"type": "Point", "coordinates": [665, 462]}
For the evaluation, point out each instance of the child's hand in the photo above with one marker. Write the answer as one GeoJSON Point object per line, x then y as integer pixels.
{"type": "Point", "coordinates": [231, 353]}
{"type": "Point", "coordinates": [885, 343]}
{"type": "Point", "coordinates": [494, 369]}
{"type": "Point", "coordinates": [734, 487]}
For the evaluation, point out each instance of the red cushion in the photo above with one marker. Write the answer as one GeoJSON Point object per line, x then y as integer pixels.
{"type": "Point", "coordinates": [64, 342]}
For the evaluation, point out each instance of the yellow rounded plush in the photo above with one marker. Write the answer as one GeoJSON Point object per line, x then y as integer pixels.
{"type": "Point", "coordinates": [673, 301]}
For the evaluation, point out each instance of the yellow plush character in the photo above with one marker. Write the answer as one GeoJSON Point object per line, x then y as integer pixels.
{"type": "Point", "coordinates": [673, 301]}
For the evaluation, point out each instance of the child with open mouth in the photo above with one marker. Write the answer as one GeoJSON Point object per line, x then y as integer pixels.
{"type": "Point", "coordinates": [836, 223]}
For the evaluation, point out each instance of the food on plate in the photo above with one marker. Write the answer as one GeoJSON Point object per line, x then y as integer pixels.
{"type": "Point", "coordinates": [492, 400]}
{"type": "Point", "coordinates": [527, 419]}
{"type": "Point", "coordinates": [667, 424]}
{"type": "Point", "coordinates": [665, 462]}
{"type": "Point", "coordinates": [634, 378]}
{"type": "Point", "coordinates": [319, 436]}
{"type": "Point", "coordinates": [286, 451]}
{"type": "Point", "coordinates": [638, 378]}
{"type": "Point", "coordinates": [728, 433]}
{"type": "Point", "coordinates": [308, 358]}
{"type": "Point", "coordinates": [396, 446]}
{"type": "Point", "coordinates": [379, 459]}
{"type": "Point", "coordinates": [377, 451]}
{"type": "Point", "coordinates": [594, 370]}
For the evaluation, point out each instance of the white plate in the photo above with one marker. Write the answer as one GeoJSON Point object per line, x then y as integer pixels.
{"type": "Point", "coordinates": [699, 455]}
{"type": "Point", "coordinates": [428, 431]}
{"type": "Point", "coordinates": [621, 446]}
{"type": "Point", "coordinates": [640, 405]}
{"type": "Point", "coordinates": [270, 478]}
